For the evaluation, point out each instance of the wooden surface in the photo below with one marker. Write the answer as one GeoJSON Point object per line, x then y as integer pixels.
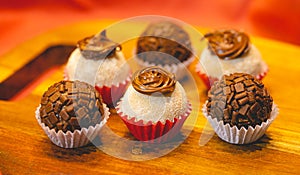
{"type": "Point", "coordinates": [25, 149]}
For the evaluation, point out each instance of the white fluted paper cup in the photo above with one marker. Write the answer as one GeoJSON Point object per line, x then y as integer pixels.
{"type": "Point", "coordinates": [234, 135]}
{"type": "Point", "coordinates": [75, 139]}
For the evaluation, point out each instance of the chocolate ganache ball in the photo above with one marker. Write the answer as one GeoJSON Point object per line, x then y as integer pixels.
{"type": "Point", "coordinates": [240, 100]}
{"type": "Point", "coordinates": [71, 105]}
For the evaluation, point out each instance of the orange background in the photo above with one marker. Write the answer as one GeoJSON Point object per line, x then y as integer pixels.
{"type": "Point", "coordinates": [277, 19]}
{"type": "Point", "coordinates": [21, 20]}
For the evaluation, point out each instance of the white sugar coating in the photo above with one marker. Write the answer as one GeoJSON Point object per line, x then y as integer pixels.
{"type": "Point", "coordinates": [106, 71]}
{"type": "Point", "coordinates": [154, 107]}
{"type": "Point", "coordinates": [251, 63]}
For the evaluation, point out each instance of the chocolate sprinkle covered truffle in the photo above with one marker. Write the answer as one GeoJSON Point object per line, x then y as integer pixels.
{"type": "Point", "coordinates": [240, 100]}
{"type": "Point", "coordinates": [167, 38]}
{"type": "Point", "coordinates": [71, 105]}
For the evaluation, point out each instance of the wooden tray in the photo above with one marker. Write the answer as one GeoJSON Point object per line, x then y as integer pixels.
{"type": "Point", "coordinates": [25, 149]}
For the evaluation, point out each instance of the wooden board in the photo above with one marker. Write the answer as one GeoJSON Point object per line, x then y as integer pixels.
{"type": "Point", "coordinates": [25, 149]}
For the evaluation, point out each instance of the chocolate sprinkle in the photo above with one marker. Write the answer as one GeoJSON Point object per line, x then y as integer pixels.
{"type": "Point", "coordinates": [62, 109]}
{"type": "Point", "coordinates": [248, 102]}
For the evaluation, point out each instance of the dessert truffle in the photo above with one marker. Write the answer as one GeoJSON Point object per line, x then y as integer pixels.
{"type": "Point", "coordinates": [240, 101]}
{"type": "Point", "coordinates": [99, 61]}
{"type": "Point", "coordinates": [155, 103]}
{"type": "Point", "coordinates": [68, 107]}
{"type": "Point", "coordinates": [229, 51]}
{"type": "Point", "coordinates": [164, 44]}
{"type": "Point", "coordinates": [165, 37]}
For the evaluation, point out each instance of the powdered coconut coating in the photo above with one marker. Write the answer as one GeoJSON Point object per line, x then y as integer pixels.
{"type": "Point", "coordinates": [154, 107]}
{"type": "Point", "coordinates": [108, 71]}
{"type": "Point", "coordinates": [250, 63]}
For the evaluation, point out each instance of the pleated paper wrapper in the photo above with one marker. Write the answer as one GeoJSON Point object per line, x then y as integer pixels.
{"type": "Point", "coordinates": [240, 136]}
{"type": "Point", "coordinates": [153, 132]}
{"type": "Point", "coordinates": [75, 139]}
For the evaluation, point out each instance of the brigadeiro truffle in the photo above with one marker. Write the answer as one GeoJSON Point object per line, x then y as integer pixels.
{"type": "Point", "coordinates": [99, 61]}
{"type": "Point", "coordinates": [154, 106]}
{"type": "Point", "coordinates": [229, 51]}
{"type": "Point", "coordinates": [239, 108]}
{"type": "Point", "coordinates": [71, 113]}
{"type": "Point", "coordinates": [167, 45]}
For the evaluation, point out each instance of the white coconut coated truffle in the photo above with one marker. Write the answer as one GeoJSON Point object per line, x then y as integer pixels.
{"type": "Point", "coordinates": [250, 63]}
{"type": "Point", "coordinates": [97, 72]}
{"type": "Point", "coordinates": [154, 107]}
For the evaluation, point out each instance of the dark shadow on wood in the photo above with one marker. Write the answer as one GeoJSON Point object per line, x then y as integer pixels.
{"type": "Point", "coordinates": [53, 56]}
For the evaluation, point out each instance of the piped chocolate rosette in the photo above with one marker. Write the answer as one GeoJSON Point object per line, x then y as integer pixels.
{"type": "Point", "coordinates": [228, 44]}
{"type": "Point", "coordinates": [165, 37]}
{"type": "Point", "coordinates": [240, 108]}
{"type": "Point", "coordinates": [98, 47]}
{"type": "Point", "coordinates": [69, 109]}
{"type": "Point", "coordinates": [154, 106]}
{"type": "Point", "coordinates": [154, 79]}
{"type": "Point", "coordinates": [167, 45]}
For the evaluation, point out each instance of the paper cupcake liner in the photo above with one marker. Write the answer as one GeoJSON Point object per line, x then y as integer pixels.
{"type": "Point", "coordinates": [240, 136]}
{"type": "Point", "coordinates": [154, 132]}
{"type": "Point", "coordinates": [209, 80]}
{"type": "Point", "coordinates": [111, 94]}
{"type": "Point", "coordinates": [179, 69]}
{"type": "Point", "coordinates": [75, 139]}
{"type": "Point", "coordinates": [66, 75]}
{"type": "Point", "coordinates": [106, 92]}
{"type": "Point", "coordinates": [264, 72]}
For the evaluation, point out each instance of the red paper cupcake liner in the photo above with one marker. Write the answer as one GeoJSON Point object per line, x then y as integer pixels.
{"type": "Point", "coordinates": [65, 75]}
{"type": "Point", "coordinates": [154, 132]}
{"type": "Point", "coordinates": [208, 80]}
{"type": "Point", "coordinates": [262, 75]}
{"type": "Point", "coordinates": [110, 94]}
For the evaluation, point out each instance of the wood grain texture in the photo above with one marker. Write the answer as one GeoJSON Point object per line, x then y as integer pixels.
{"type": "Point", "coordinates": [25, 149]}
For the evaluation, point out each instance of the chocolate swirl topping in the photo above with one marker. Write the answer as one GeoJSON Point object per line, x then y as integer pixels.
{"type": "Point", "coordinates": [153, 79]}
{"type": "Point", "coordinates": [169, 41]}
{"type": "Point", "coordinates": [228, 44]}
{"type": "Point", "coordinates": [98, 47]}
